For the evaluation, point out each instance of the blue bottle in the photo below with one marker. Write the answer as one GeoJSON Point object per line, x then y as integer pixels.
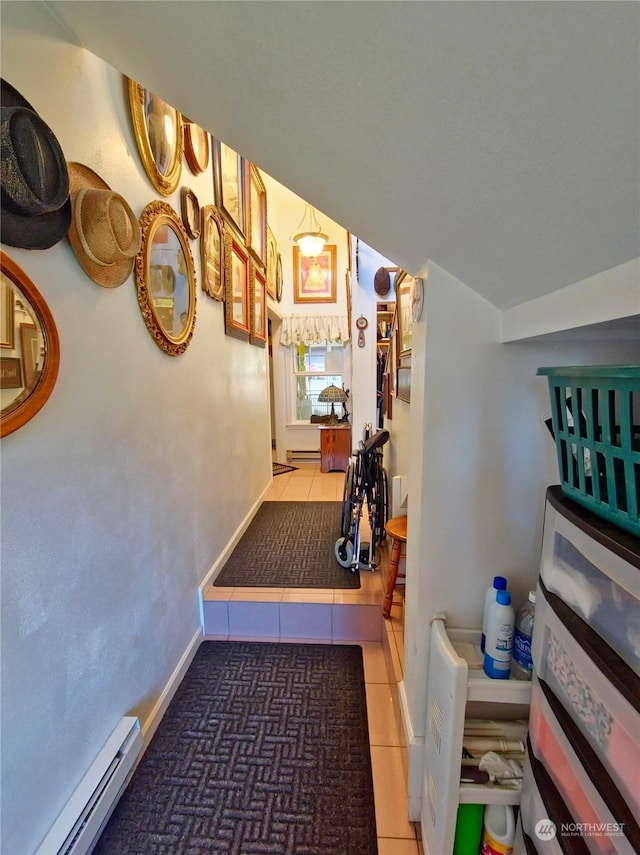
{"type": "Point", "coordinates": [499, 642]}
{"type": "Point", "coordinates": [499, 584]}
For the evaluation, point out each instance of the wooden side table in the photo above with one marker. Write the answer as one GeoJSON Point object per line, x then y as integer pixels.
{"type": "Point", "coordinates": [335, 447]}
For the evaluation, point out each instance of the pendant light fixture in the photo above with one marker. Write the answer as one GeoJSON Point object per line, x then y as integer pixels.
{"type": "Point", "coordinates": [312, 240]}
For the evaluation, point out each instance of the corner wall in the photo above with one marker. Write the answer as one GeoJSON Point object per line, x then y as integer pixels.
{"type": "Point", "coordinates": [481, 460]}
{"type": "Point", "coordinates": [120, 494]}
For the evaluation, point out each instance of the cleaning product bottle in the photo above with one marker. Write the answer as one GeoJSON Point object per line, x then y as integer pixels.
{"type": "Point", "coordinates": [499, 830]}
{"type": "Point", "coordinates": [521, 662]}
{"type": "Point", "coordinates": [499, 642]}
{"type": "Point", "coordinates": [468, 832]}
{"type": "Point", "coordinates": [499, 584]}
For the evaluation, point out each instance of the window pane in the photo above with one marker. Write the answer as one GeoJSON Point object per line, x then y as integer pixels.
{"type": "Point", "coordinates": [307, 391]}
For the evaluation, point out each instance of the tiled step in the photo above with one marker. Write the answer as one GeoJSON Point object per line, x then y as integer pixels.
{"type": "Point", "coordinates": [295, 613]}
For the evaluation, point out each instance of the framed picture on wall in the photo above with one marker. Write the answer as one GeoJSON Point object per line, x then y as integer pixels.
{"type": "Point", "coordinates": [229, 181]}
{"type": "Point", "coordinates": [404, 300]}
{"type": "Point", "coordinates": [212, 248]}
{"type": "Point", "coordinates": [314, 279]}
{"type": "Point", "coordinates": [272, 262]}
{"type": "Point", "coordinates": [237, 322]}
{"type": "Point", "coordinates": [257, 214]}
{"type": "Point", "coordinates": [257, 306]}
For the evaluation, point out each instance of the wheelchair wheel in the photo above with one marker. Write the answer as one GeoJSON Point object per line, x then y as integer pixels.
{"type": "Point", "coordinates": [382, 504]}
{"type": "Point", "coordinates": [347, 503]}
{"type": "Point", "coordinates": [344, 552]}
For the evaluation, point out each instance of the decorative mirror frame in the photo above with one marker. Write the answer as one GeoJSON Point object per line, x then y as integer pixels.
{"type": "Point", "coordinates": [190, 212]}
{"type": "Point", "coordinates": [196, 159]}
{"type": "Point", "coordinates": [279, 280]}
{"type": "Point", "coordinates": [257, 298]}
{"type": "Point", "coordinates": [256, 214]}
{"type": "Point", "coordinates": [165, 184]}
{"type": "Point", "coordinates": [236, 252]}
{"type": "Point", "coordinates": [272, 260]}
{"type": "Point", "coordinates": [212, 219]}
{"type": "Point", "coordinates": [155, 215]}
{"type": "Point", "coordinates": [39, 395]}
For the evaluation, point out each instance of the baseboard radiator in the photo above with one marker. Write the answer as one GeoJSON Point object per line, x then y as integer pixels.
{"type": "Point", "coordinates": [302, 454]}
{"type": "Point", "coordinates": [83, 818]}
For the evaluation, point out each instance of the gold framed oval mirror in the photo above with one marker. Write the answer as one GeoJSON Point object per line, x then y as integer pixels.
{"type": "Point", "coordinates": [30, 350]}
{"type": "Point", "coordinates": [159, 134]}
{"type": "Point", "coordinates": [166, 279]}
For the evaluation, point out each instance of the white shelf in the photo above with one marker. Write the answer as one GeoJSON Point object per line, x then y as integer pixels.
{"type": "Point", "coordinates": [453, 682]}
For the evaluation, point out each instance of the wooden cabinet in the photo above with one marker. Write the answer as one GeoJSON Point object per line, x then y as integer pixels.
{"type": "Point", "coordinates": [335, 447]}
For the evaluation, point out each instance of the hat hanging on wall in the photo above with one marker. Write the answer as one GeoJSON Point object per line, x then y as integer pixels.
{"type": "Point", "coordinates": [104, 233]}
{"type": "Point", "coordinates": [35, 206]}
{"type": "Point", "coordinates": [382, 282]}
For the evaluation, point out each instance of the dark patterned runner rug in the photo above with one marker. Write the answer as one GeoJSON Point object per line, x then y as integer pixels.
{"type": "Point", "coordinates": [264, 749]}
{"type": "Point", "coordinates": [281, 468]}
{"type": "Point", "coordinates": [289, 545]}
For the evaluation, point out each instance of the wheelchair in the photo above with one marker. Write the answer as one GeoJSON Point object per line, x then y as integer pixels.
{"type": "Point", "coordinates": [365, 484]}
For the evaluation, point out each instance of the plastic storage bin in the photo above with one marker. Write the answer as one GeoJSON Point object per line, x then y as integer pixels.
{"type": "Point", "coordinates": [603, 820]}
{"type": "Point", "coordinates": [595, 413]}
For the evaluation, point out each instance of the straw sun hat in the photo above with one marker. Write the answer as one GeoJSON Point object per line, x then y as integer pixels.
{"type": "Point", "coordinates": [104, 233]}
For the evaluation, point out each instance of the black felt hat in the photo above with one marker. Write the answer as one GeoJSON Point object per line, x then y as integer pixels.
{"type": "Point", "coordinates": [35, 205]}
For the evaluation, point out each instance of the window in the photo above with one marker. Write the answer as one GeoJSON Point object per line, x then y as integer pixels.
{"type": "Point", "coordinates": [314, 367]}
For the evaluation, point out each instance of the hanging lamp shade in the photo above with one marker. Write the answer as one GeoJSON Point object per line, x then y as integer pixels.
{"type": "Point", "coordinates": [311, 241]}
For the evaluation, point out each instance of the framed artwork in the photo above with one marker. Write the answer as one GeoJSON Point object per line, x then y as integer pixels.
{"type": "Point", "coordinates": [272, 262]}
{"type": "Point", "coordinates": [190, 211]}
{"type": "Point", "coordinates": [236, 311]}
{"type": "Point", "coordinates": [7, 315]}
{"type": "Point", "coordinates": [314, 279]}
{"type": "Point", "coordinates": [404, 383]}
{"type": "Point", "coordinates": [256, 214]}
{"type": "Point", "coordinates": [403, 287]}
{"type": "Point", "coordinates": [212, 252]}
{"type": "Point", "coordinates": [10, 372]}
{"type": "Point", "coordinates": [196, 147]}
{"type": "Point", "coordinates": [31, 353]}
{"type": "Point", "coordinates": [257, 306]}
{"type": "Point", "coordinates": [229, 180]}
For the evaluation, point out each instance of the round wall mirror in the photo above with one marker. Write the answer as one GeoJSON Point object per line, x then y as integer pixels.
{"type": "Point", "coordinates": [159, 136]}
{"type": "Point", "coordinates": [166, 279]}
{"type": "Point", "coordinates": [29, 348]}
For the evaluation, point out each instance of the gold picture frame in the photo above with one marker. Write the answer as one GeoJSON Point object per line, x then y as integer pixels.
{"type": "Point", "coordinates": [256, 214]}
{"type": "Point", "coordinates": [272, 263]}
{"type": "Point", "coordinates": [166, 279]}
{"type": "Point", "coordinates": [159, 136]}
{"type": "Point", "coordinates": [314, 279]}
{"type": "Point", "coordinates": [212, 252]}
{"type": "Point", "coordinates": [229, 185]}
{"type": "Point", "coordinates": [196, 147]}
{"type": "Point", "coordinates": [257, 306]}
{"type": "Point", "coordinates": [237, 320]}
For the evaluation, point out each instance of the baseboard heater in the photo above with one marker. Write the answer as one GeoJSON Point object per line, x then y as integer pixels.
{"type": "Point", "coordinates": [302, 454]}
{"type": "Point", "coordinates": [83, 818]}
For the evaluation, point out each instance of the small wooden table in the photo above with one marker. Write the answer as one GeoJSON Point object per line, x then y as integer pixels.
{"type": "Point", "coordinates": [335, 447]}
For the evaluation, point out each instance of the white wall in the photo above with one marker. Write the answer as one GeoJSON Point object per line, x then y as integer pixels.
{"type": "Point", "coordinates": [480, 461]}
{"type": "Point", "coordinates": [118, 497]}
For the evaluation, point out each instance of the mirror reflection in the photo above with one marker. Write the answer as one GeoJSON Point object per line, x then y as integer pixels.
{"type": "Point", "coordinates": [162, 129]}
{"type": "Point", "coordinates": [169, 282]}
{"type": "Point", "coordinates": [23, 347]}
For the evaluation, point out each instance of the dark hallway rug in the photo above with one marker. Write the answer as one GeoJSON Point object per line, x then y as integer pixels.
{"type": "Point", "coordinates": [264, 750]}
{"type": "Point", "coordinates": [281, 468]}
{"type": "Point", "coordinates": [289, 545]}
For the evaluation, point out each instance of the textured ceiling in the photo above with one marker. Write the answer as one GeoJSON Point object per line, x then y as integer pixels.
{"type": "Point", "coordinates": [500, 139]}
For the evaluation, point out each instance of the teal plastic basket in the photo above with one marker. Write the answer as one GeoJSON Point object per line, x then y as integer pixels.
{"type": "Point", "coordinates": [595, 413]}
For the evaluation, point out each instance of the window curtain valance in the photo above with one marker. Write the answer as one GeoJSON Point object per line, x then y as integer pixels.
{"type": "Point", "coordinates": [314, 329]}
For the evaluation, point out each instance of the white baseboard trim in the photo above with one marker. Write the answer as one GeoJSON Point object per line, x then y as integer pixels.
{"type": "Point", "coordinates": [415, 750]}
{"type": "Point", "coordinates": [226, 552]}
{"type": "Point", "coordinates": [155, 716]}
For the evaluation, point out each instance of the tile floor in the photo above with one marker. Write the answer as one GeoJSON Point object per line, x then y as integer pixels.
{"type": "Point", "coordinates": [382, 662]}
